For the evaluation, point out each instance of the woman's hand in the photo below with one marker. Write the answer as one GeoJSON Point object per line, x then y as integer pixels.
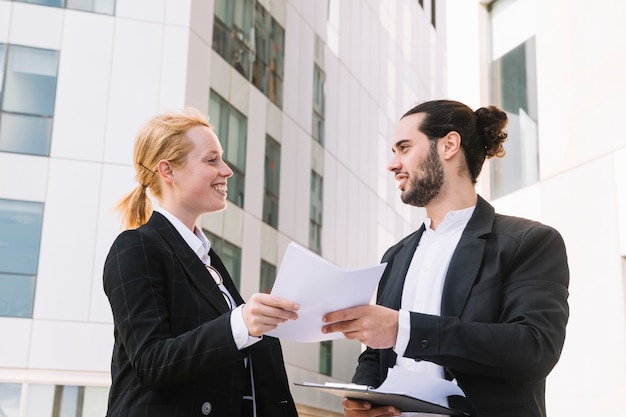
{"type": "Point", "coordinates": [264, 312]}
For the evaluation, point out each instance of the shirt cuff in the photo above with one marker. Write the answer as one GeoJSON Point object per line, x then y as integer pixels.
{"type": "Point", "coordinates": [404, 333]}
{"type": "Point", "coordinates": [240, 331]}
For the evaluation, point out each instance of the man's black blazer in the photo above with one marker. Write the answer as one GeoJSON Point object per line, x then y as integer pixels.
{"type": "Point", "coordinates": [503, 313]}
{"type": "Point", "coordinates": [174, 353]}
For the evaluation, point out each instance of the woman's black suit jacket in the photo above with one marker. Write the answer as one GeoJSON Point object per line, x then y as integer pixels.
{"type": "Point", "coordinates": [174, 353]}
{"type": "Point", "coordinates": [503, 313]}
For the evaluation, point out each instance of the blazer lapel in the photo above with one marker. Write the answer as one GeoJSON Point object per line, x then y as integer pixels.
{"type": "Point", "coordinates": [398, 261]}
{"type": "Point", "coordinates": [466, 260]}
{"type": "Point", "coordinates": [194, 268]}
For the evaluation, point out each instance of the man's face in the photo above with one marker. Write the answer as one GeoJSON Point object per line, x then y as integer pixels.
{"type": "Point", "coordinates": [416, 164]}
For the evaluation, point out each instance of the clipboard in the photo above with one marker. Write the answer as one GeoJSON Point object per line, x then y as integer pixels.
{"type": "Point", "coordinates": [402, 401]}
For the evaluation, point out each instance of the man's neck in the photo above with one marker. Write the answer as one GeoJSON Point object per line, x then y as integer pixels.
{"type": "Point", "coordinates": [437, 209]}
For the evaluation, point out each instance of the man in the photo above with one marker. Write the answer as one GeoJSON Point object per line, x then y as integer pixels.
{"type": "Point", "coordinates": [472, 295]}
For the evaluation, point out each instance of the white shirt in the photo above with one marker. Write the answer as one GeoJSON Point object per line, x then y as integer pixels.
{"type": "Point", "coordinates": [423, 286]}
{"type": "Point", "coordinates": [199, 243]}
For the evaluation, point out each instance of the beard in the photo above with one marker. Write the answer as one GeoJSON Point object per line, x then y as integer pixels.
{"type": "Point", "coordinates": [426, 180]}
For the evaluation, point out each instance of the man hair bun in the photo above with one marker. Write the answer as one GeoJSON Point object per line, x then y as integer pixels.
{"type": "Point", "coordinates": [490, 124]}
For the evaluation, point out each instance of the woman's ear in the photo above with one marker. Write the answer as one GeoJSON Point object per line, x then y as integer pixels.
{"type": "Point", "coordinates": [165, 171]}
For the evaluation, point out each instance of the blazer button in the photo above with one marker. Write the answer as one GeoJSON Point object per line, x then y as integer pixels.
{"type": "Point", "coordinates": [425, 343]}
{"type": "Point", "coordinates": [206, 408]}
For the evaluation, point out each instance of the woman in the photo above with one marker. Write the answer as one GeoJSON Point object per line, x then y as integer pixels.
{"type": "Point", "coordinates": [185, 342]}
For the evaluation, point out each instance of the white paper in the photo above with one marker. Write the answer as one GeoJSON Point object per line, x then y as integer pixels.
{"type": "Point", "coordinates": [319, 287]}
{"type": "Point", "coordinates": [429, 388]}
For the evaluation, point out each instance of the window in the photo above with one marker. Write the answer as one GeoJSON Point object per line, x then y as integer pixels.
{"type": "Point", "coordinates": [326, 357]}
{"type": "Point", "coordinates": [253, 42]}
{"type": "Point", "coordinates": [10, 399]}
{"type": "Point", "coordinates": [29, 77]}
{"type": "Point", "coordinates": [229, 254]}
{"type": "Point", "coordinates": [230, 127]}
{"type": "Point", "coordinates": [514, 89]}
{"type": "Point", "coordinates": [52, 400]}
{"type": "Point", "coordinates": [272, 182]}
{"type": "Point", "coordinates": [318, 104]}
{"type": "Point", "coordinates": [315, 224]}
{"type": "Point", "coordinates": [96, 6]}
{"type": "Point", "coordinates": [433, 13]}
{"type": "Point", "coordinates": [268, 276]}
{"type": "Point", "coordinates": [20, 235]}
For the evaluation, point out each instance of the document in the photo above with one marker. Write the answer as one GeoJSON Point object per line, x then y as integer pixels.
{"type": "Point", "coordinates": [319, 287]}
{"type": "Point", "coordinates": [406, 390]}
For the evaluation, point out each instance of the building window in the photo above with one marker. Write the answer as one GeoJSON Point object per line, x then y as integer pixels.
{"type": "Point", "coordinates": [96, 6]}
{"type": "Point", "coordinates": [272, 182]}
{"type": "Point", "coordinates": [20, 235]}
{"type": "Point", "coordinates": [253, 42]}
{"type": "Point", "coordinates": [10, 395]}
{"type": "Point", "coordinates": [326, 357]}
{"type": "Point", "coordinates": [315, 224]}
{"type": "Point", "coordinates": [433, 13]}
{"type": "Point", "coordinates": [28, 82]}
{"type": "Point", "coordinates": [514, 89]}
{"type": "Point", "coordinates": [229, 254]}
{"type": "Point", "coordinates": [230, 127]}
{"type": "Point", "coordinates": [268, 276]}
{"type": "Point", "coordinates": [52, 400]}
{"type": "Point", "coordinates": [318, 104]}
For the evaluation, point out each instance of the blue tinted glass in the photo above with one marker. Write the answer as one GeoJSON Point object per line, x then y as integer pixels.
{"type": "Point", "coordinates": [3, 49]}
{"type": "Point", "coordinates": [54, 3]}
{"type": "Point", "coordinates": [97, 6]}
{"type": "Point", "coordinates": [10, 399]}
{"type": "Point", "coordinates": [20, 234]}
{"type": "Point", "coordinates": [30, 81]}
{"type": "Point", "coordinates": [25, 134]}
{"type": "Point", "coordinates": [17, 293]}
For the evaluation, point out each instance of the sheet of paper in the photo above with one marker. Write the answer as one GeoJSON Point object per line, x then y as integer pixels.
{"type": "Point", "coordinates": [414, 384]}
{"type": "Point", "coordinates": [319, 287]}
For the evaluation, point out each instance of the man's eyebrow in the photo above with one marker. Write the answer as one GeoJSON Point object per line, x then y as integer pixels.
{"type": "Point", "coordinates": [398, 143]}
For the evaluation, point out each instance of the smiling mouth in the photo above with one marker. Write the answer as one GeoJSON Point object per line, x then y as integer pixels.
{"type": "Point", "coordinates": [222, 188]}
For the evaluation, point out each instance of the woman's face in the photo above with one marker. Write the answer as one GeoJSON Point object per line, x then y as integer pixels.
{"type": "Point", "coordinates": [200, 185]}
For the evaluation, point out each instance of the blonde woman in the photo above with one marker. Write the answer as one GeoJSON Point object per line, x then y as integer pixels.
{"type": "Point", "coordinates": [186, 344]}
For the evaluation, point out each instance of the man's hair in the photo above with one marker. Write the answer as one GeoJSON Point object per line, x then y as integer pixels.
{"type": "Point", "coordinates": [482, 131]}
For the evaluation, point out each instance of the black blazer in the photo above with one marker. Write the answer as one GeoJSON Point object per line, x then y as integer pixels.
{"type": "Point", "coordinates": [503, 313]}
{"type": "Point", "coordinates": [174, 353]}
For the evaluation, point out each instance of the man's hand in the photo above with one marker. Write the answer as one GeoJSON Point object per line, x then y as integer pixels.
{"type": "Point", "coordinates": [264, 312]}
{"type": "Point", "coordinates": [374, 325]}
{"type": "Point", "coordinates": [356, 408]}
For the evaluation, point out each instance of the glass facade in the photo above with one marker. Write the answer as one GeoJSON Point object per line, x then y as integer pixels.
{"type": "Point", "coordinates": [514, 89]}
{"type": "Point", "coordinates": [20, 234]}
{"type": "Point", "coordinates": [28, 81]}
{"type": "Point", "coordinates": [268, 276]}
{"type": "Point", "coordinates": [252, 41]}
{"type": "Point", "coordinates": [229, 254]}
{"type": "Point", "coordinates": [315, 215]}
{"type": "Point", "coordinates": [96, 6]}
{"type": "Point", "coordinates": [44, 400]}
{"type": "Point", "coordinates": [272, 182]}
{"type": "Point", "coordinates": [231, 129]}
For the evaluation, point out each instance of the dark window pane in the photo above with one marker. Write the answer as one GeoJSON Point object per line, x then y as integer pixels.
{"type": "Point", "coordinates": [268, 276]}
{"type": "Point", "coordinates": [326, 357]}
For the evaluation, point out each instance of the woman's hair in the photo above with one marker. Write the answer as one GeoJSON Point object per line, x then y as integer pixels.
{"type": "Point", "coordinates": [482, 131]}
{"type": "Point", "coordinates": [160, 138]}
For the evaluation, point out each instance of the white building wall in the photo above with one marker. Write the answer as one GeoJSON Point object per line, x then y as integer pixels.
{"type": "Point", "coordinates": [115, 72]}
{"type": "Point", "coordinates": [582, 187]}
